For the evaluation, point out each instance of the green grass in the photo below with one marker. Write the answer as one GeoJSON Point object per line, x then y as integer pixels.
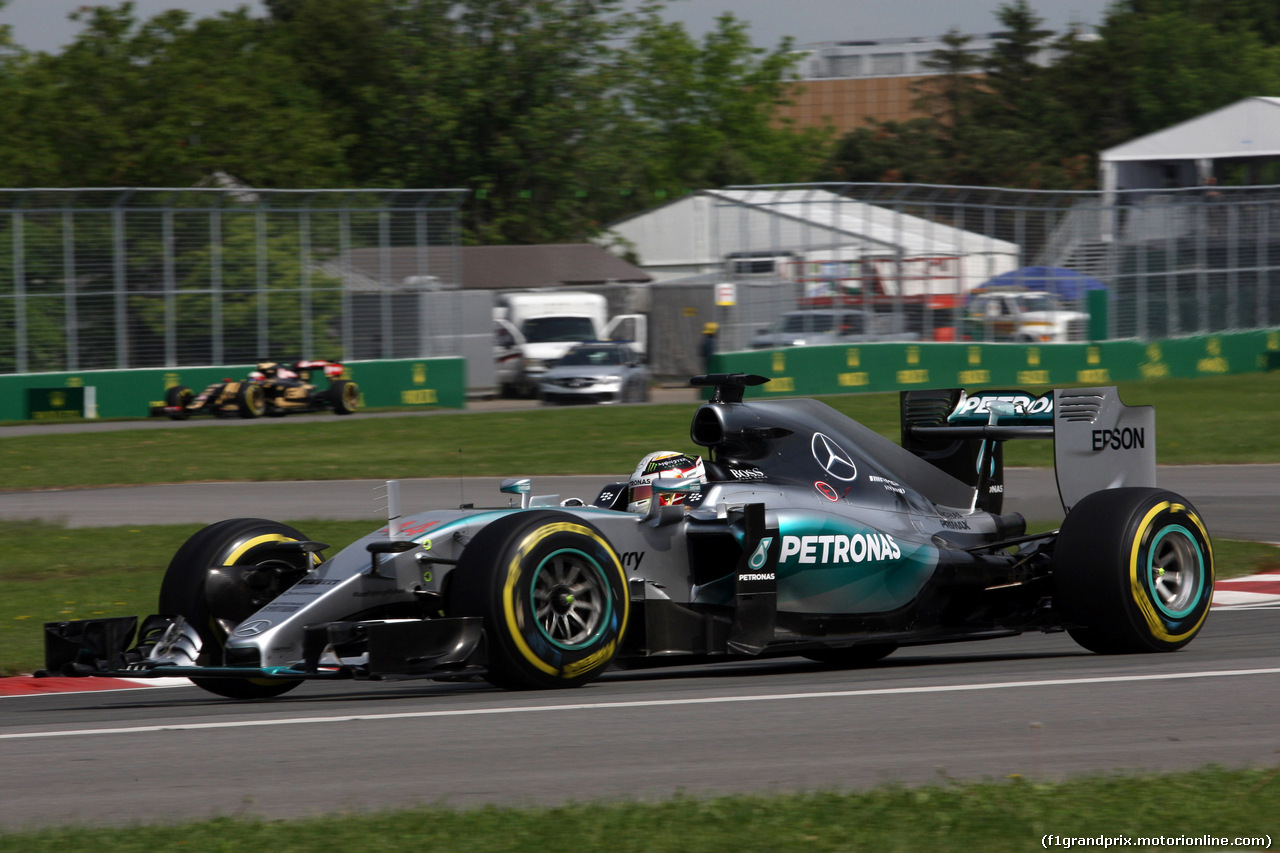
{"type": "Point", "coordinates": [1011, 815]}
{"type": "Point", "coordinates": [590, 441]}
{"type": "Point", "coordinates": [1229, 419]}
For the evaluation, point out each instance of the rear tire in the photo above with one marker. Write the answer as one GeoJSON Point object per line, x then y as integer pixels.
{"type": "Point", "coordinates": [1133, 571]}
{"type": "Point", "coordinates": [222, 575]}
{"type": "Point", "coordinates": [553, 595]}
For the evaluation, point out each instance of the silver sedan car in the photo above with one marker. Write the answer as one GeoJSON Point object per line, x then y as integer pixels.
{"type": "Point", "coordinates": [597, 372]}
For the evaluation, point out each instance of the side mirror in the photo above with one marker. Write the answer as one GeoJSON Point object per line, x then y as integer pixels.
{"type": "Point", "coordinates": [521, 486]}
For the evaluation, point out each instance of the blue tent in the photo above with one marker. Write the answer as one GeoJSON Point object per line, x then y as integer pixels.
{"type": "Point", "coordinates": [1067, 285]}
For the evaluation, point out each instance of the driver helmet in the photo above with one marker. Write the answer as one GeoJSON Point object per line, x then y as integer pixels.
{"type": "Point", "coordinates": [667, 465]}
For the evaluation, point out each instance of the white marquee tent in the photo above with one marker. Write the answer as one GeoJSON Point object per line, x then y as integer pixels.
{"type": "Point", "coordinates": [1244, 133]}
{"type": "Point", "coordinates": [702, 233]}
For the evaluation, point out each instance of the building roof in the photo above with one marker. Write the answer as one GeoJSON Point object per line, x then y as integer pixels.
{"type": "Point", "coordinates": [1247, 128]}
{"type": "Point", "coordinates": [707, 226]}
{"type": "Point", "coordinates": [484, 267]}
{"type": "Point", "coordinates": [555, 265]}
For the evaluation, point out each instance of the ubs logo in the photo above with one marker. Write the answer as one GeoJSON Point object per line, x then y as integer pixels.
{"type": "Point", "coordinates": [833, 458]}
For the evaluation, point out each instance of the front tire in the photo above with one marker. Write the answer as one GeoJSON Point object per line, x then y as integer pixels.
{"type": "Point", "coordinates": [1133, 571]}
{"type": "Point", "coordinates": [179, 397]}
{"type": "Point", "coordinates": [251, 400]}
{"type": "Point", "coordinates": [553, 595]}
{"type": "Point", "coordinates": [222, 575]}
{"type": "Point", "coordinates": [344, 395]}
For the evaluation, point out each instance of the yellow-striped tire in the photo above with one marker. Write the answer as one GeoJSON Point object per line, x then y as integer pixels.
{"type": "Point", "coordinates": [223, 574]}
{"type": "Point", "coordinates": [1133, 571]}
{"type": "Point", "coordinates": [179, 397]}
{"type": "Point", "coordinates": [251, 400]}
{"type": "Point", "coordinates": [553, 595]}
{"type": "Point", "coordinates": [344, 395]}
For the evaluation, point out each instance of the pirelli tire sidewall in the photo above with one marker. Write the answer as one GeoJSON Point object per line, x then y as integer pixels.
{"type": "Point", "coordinates": [344, 396]}
{"type": "Point", "coordinates": [251, 400]}
{"type": "Point", "coordinates": [184, 591]}
{"type": "Point", "coordinates": [503, 577]}
{"type": "Point", "coordinates": [1109, 560]}
{"type": "Point", "coordinates": [178, 397]}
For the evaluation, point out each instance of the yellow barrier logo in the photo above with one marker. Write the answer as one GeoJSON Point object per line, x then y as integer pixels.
{"type": "Point", "coordinates": [1215, 363]}
{"type": "Point", "coordinates": [418, 397]}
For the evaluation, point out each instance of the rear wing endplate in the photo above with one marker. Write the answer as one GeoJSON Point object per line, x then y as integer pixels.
{"type": "Point", "coordinates": [1100, 443]}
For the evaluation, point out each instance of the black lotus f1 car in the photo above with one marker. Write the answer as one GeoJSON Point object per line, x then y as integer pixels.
{"type": "Point", "coordinates": [812, 535]}
{"type": "Point", "coordinates": [272, 389]}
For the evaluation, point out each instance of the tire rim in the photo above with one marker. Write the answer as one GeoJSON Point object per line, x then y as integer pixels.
{"type": "Point", "coordinates": [571, 600]}
{"type": "Point", "coordinates": [235, 592]}
{"type": "Point", "coordinates": [1175, 571]}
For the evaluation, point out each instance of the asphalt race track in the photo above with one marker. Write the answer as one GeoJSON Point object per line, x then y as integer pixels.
{"type": "Point", "coordinates": [1237, 501]}
{"type": "Point", "coordinates": [1036, 705]}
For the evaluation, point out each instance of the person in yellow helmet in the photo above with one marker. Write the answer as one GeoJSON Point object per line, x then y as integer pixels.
{"type": "Point", "coordinates": [708, 344]}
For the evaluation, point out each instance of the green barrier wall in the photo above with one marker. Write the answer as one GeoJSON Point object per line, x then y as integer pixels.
{"type": "Point", "coordinates": [431, 383]}
{"type": "Point", "coordinates": [809, 371]}
{"type": "Point", "coordinates": [57, 404]}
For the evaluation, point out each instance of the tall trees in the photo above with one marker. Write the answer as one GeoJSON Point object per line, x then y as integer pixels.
{"type": "Point", "coordinates": [1022, 122]}
{"type": "Point", "coordinates": [1154, 66]}
{"type": "Point", "coordinates": [704, 114]}
{"type": "Point", "coordinates": [515, 101]}
{"type": "Point", "coordinates": [560, 115]}
{"type": "Point", "coordinates": [164, 102]}
{"type": "Point", "coordinates": [557, 115]}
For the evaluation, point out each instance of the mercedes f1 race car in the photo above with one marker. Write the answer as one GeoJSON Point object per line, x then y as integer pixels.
{"type": "Point", "coordinates": [798, 532]}
{"type": "Point", "coordinates": [272, 389]}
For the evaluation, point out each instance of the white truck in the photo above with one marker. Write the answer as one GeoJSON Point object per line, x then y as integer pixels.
{"type": "Point", "coordinates": [544, 325]}
{"type": "Point", "coordinates": [1022, 316]}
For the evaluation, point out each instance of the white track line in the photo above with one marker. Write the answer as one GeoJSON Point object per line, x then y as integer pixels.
{"type": "Point", "coordinates": [650, 703]}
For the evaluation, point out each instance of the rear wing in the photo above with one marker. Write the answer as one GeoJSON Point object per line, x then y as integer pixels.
{"type": "Point", "coordinates": [1098, 441]}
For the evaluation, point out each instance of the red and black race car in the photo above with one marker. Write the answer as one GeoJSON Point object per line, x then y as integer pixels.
{"type": "Point", "coordinates": [273, 389]}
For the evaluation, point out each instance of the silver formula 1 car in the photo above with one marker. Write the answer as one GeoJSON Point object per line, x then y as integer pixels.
{"type": "Point", "coordinates": [809, 535]}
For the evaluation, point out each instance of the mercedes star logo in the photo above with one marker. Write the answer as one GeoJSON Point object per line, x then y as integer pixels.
{"type": "Point", "coordinates": [833, 458]}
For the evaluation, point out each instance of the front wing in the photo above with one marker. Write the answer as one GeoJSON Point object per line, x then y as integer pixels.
{"type": "Point", "coordinates": [383, 650]}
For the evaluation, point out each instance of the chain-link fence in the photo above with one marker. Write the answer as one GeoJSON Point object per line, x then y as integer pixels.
{"type": "Point", "coordinates": [916, 260]}
{"type": "Point", "coordinates": [116, 278]}
{"type": "Point", "coordinates": [119, 278]}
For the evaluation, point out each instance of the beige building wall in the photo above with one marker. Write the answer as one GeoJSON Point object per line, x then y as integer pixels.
{"type": "Point", "coordinates": [847, 104]}
{"type": "Point", "coordinates": [846, 83]}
